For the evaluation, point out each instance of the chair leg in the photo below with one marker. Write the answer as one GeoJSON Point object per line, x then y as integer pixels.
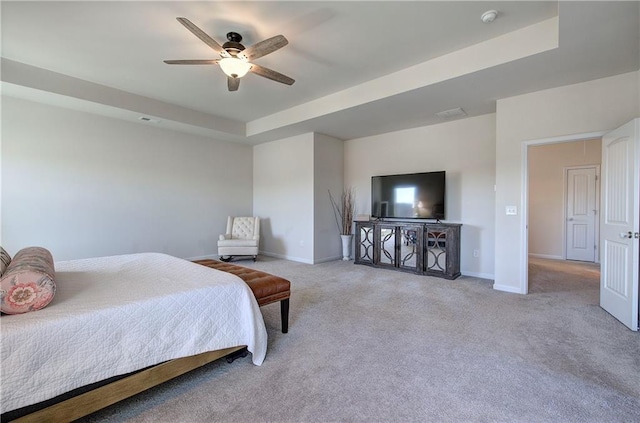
{"type": "Point", "coordinates": [284, 315]}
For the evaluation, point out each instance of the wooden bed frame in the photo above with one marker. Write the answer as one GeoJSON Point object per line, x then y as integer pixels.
{"type": "Point", "coordinates": [104, 396]}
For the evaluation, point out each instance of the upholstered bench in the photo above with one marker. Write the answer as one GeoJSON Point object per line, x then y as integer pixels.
{"type": "Point", "coordinates": [266, 288]}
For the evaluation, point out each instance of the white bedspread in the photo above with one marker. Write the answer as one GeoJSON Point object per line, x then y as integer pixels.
{"type": "Point", "coordinates": [115, 315]}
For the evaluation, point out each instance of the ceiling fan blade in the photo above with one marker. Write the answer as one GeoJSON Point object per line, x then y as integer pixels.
{"type": "Point", "coordinates": [271, 74]}
{"type": "Point", "coordinates": [263, 48]}
{"type": "Point", "coordinates": [192, 62]}
{"type": "Point", "coordinates": [233, 83]}
{"type": "Point", "coordinates": [204, 37]}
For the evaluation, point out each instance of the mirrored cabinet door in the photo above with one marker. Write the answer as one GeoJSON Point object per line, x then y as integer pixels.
{"type": "Point", "coordinates": [435, 247]}
{"type": "Point", "coordinates": [364, 243]}
{"type": "Point", "coordinates": [410, 240]}
{"type": "Point", "coordinates": [386, 248]}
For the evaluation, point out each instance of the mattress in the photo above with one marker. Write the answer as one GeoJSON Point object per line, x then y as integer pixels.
{"type": "Point", "coordinates": [114, 315]}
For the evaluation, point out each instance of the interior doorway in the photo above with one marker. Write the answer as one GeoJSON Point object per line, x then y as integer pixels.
{"type": "Point", "coordinates": [619, 223]}
{"type": "Point", "coordinates": [551, 201]}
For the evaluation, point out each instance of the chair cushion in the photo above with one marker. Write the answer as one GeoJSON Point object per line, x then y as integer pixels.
{"type": "Point", "coordinates": [238, 243]}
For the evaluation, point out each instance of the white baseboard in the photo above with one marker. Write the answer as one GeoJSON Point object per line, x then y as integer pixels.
{"type": "Point", "coordinates": [478, 275]}
{"type": "Point", "coordinates": [507, 288]}
{"type": "Point", "coordinates": [546, 256]}
{"type": "Point", "coordinates": [299, 259]}
{"type": "Point", "coordinates": [327, 259]}
{"type": "Point", "coordinates": [286, 257]}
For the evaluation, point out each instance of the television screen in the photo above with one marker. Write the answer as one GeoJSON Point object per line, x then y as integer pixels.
{"type": "Point", "coordinates": [411, 196]}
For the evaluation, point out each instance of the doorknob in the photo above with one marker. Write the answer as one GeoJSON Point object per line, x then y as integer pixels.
{"type": "Point", "coordinates": [570, 219]}
{"type": "Point", "coordinates": [627, 235]}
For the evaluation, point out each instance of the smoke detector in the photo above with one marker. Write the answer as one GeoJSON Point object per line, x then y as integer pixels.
{"type": "Point", "coordinates": [489, 16]}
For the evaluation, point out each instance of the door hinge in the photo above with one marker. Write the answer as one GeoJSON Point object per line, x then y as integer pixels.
{"type": "Point", "coordinates": [596, 177]}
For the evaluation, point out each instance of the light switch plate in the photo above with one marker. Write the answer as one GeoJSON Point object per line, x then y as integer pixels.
{"type": "Point", "coordinates": [511, 210]}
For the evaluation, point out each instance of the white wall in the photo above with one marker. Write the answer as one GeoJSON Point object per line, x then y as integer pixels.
{"type": "Point", "coordinates": [465, 149]}
{"type": "Point", "coordinates": [283, 197]}
{"type": "Point", "coordinates": [593, 106]}
{"type": "Point", "coordinates": [547, 167]}
{"type": "Point", "coordinates": [328, 158]}
{"type": "Point", "coordinates": [83, 185]}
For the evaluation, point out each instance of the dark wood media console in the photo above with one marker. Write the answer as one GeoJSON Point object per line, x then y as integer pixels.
{"type": "Point", "coordinates": [423, 248]}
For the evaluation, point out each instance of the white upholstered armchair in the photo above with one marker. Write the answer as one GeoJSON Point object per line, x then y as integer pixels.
{"type": "Point", "coordinates": [241, 238]}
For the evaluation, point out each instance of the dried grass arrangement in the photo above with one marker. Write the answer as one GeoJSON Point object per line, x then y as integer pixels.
{"type": "Point", "coordinates": [344, 211]}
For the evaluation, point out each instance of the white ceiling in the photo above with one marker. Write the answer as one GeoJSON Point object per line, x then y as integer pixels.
{"type": "Point", "coordinates": [361, 68]}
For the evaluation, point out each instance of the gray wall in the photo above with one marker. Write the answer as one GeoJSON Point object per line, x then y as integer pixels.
{"type": "Point", "coordinates": [283, 197]}
{"type": "Point", "coordinates": [328, 175]}
{"type": "Point", "coordinates": [83, 185]}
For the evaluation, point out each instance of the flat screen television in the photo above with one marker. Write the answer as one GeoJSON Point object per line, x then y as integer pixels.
{"type": "Point", "coordinates": [410, 196]}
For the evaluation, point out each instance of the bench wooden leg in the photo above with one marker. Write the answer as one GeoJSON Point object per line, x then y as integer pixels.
{"type": "Point", "coordinates": [284, 315]}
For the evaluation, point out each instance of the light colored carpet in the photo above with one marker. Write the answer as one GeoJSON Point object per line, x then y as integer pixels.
{"type": "Point", "coordinates": [369, 344]}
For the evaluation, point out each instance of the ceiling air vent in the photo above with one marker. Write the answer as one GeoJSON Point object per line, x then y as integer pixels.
{"type": "Point", "coordinates": [148, 119]}
{"type": "Point", "coordinates": [452, 114]}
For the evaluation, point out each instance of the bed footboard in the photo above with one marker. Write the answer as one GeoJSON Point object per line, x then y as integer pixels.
{"type": "Point", "coordinates": [104, 396]}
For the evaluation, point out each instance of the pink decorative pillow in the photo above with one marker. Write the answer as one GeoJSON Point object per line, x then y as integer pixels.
{"type": "Point", "coordinates": [28, 284]}
{"type": "Point", "coordinates": [5, 259]}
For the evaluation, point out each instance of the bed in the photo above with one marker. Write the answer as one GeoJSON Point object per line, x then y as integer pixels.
{"type": "Point", "coordinates": [116, 315]}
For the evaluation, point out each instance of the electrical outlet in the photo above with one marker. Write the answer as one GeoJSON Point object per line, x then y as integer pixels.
{"type": "Point", "coordinates": [302, 243]}
{"type": "Point", "coordinates": [476, 253]}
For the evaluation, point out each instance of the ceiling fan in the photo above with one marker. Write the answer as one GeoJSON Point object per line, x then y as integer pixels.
{"type": "Point", "coordinates": [235, 58]}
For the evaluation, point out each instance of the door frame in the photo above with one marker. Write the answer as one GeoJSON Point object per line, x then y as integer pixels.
{"type": "Point", "coordinates": [596, 232]}
{"type": "Point", "coordinates": [524, 222]}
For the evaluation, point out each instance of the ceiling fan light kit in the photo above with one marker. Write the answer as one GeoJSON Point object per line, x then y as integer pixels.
{"type": "Point", "coordinates": [234, 67]}
{"type": "Point", "coordinates": [234, 57]}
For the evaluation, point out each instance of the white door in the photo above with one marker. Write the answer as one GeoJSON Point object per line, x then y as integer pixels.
{"type": "Point", "coordinates": [581, 214]}
{"type": "Point", "coordinates": [620, 213]}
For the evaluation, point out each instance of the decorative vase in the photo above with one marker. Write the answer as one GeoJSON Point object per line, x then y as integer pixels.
{"type": "Point", "coordinates": [346, 247]}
